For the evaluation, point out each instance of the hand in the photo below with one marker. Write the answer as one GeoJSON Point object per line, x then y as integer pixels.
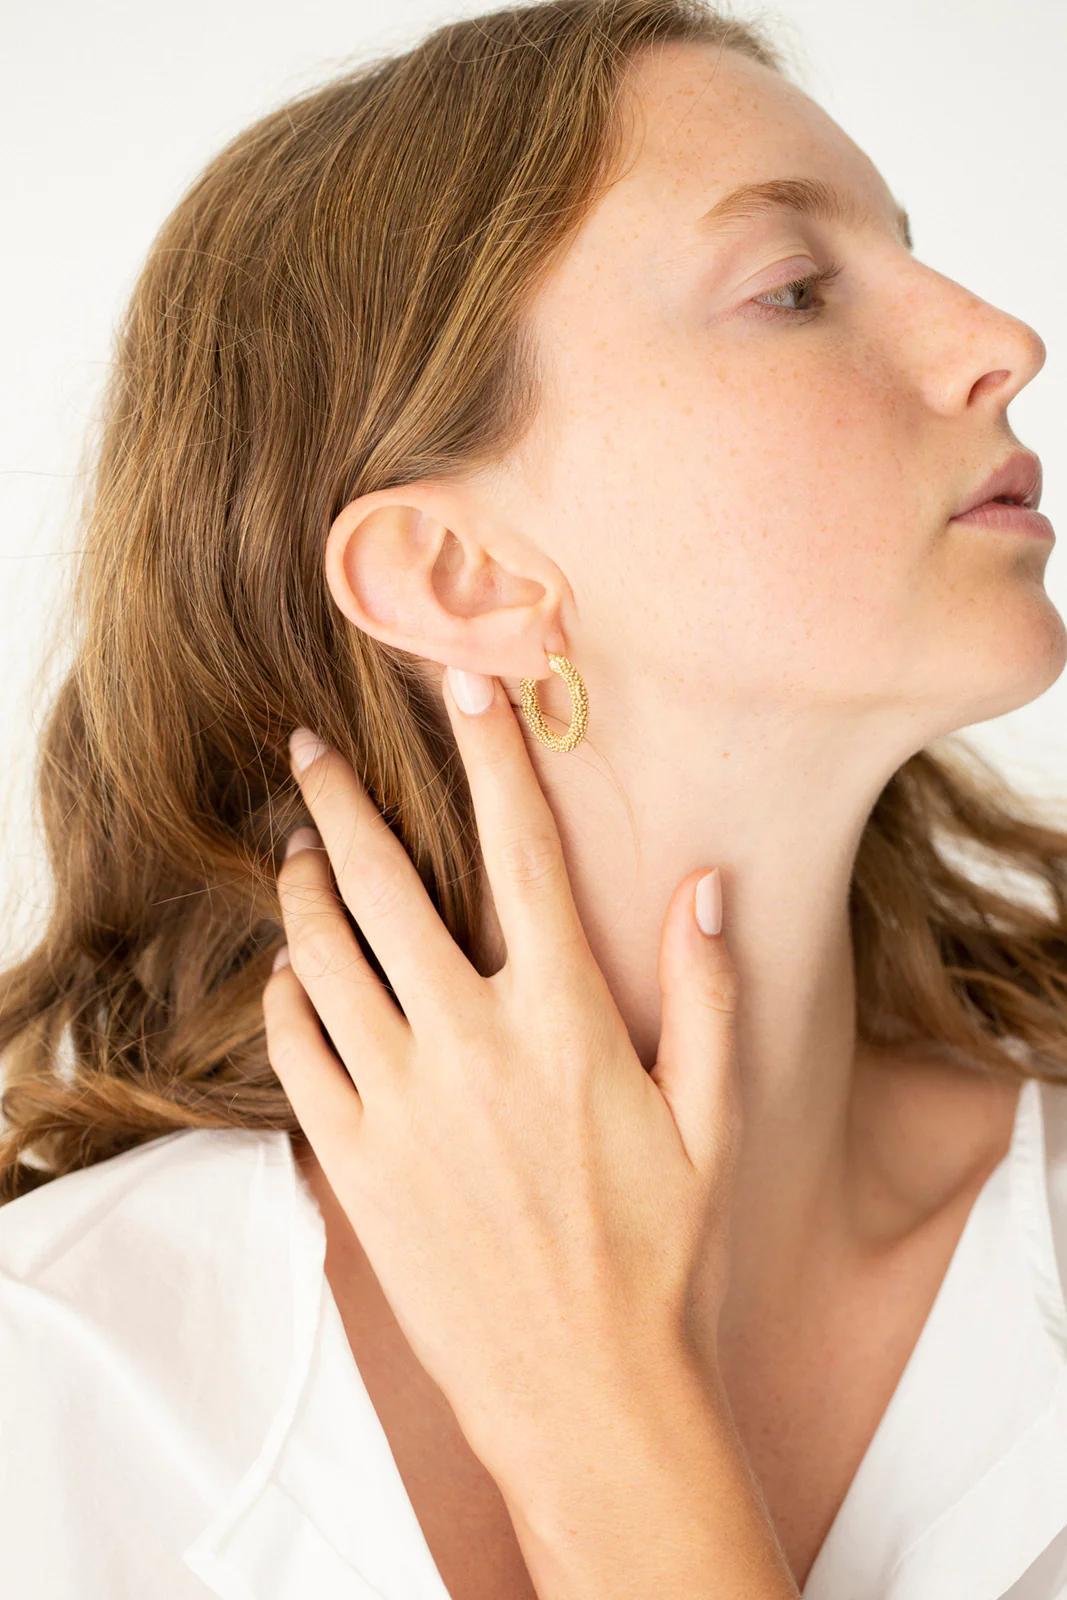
{"type": "Point", "coordinates": [535, 1205]}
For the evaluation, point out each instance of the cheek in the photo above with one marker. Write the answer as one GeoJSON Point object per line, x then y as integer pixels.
{"type": "Point", "coordinates": [746, 518]}
{"type": "Point", "coordinates": [782, 548]}
{"type": "Point", "coordinates": [783, 606]}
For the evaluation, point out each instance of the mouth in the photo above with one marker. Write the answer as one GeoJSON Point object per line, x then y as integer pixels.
{"type": "Point", "coordinates": [1016, 481]}
{"type": "Point", "coordinates": [1009, 516]}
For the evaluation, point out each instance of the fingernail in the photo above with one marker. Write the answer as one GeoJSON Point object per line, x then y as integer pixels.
{"type": "Point", "coordinates": [708, 902]}
{"type": "Point", "coordinates": [302, 839]}
{"type": "Point", "coordinates": [305, 747]}
{"type": "Point", "coordinates": [281, 959]}
{"type": "Point", "coordinates": [471, 691]}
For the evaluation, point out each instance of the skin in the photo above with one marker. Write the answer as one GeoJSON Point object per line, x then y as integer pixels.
{"type": "Point", "coordinates": [769, 628]}
{"type": "Point", "coordinates": [735, 523]}
{"type": "Point", "coordinates": [570, 1373]}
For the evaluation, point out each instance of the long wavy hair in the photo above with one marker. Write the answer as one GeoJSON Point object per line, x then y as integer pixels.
{"type": "Point", "coordinates": [335, 306]}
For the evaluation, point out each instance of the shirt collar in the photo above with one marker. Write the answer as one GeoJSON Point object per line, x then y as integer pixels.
{"type": "Point", "coordinates": [962, 1484]}
{"type": "Point", "coordinates": [321, 1510]}
{"type": "Point", "coordinates": [951, 1499]}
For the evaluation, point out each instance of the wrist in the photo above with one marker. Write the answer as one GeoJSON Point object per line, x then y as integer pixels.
{"type": "Point", "coordinates": [663, 1418]}
{"type": "Point", "coordinates": [658, 1495]}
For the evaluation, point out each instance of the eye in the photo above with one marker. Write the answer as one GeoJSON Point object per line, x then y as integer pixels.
{"type": "Point", "coordinates": [798, 287]}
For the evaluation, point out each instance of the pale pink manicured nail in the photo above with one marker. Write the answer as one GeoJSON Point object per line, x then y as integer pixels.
{"type": "Point", "coordinates": [302, 839]}
{"type": "Point", "coordinates": [305, 747]}
{"type": "Point", "coordinates": [471, 691]}
{"type": "Point", "coordinates": [708, 902]}
{"type": "Point", "coordinates": [281, 959]}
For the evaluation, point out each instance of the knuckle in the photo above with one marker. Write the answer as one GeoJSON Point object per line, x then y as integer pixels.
{"type": "Point", "coordinates": [568, 981]}
{"type": "Point", "coordinates": [305, 902]}
{"type": "Point", "coordinates": [532, 860]}
{"type": "Point", "coordinates": [498, 757]}
{"type": "Point", "coordinates": [300, 877]}
{"type": "Point", "coordinates": [284, 1061]}
{"type": "Point", "coordinates": [283, 1046]}
{"type": "Point", "coordinates": [383, 892]}
{"type": "Point", "coordinates": [317, 949]}
{"type": "Point", "coordinates": [719, 991]}
{"type": "Point", "coordinates": [283, 1042]}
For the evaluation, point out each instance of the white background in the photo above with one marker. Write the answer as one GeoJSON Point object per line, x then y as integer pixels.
{"type": "Point", "coordinates": [112, 108]}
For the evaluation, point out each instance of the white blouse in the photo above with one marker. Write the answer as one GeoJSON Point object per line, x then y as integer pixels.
{"type": "Point", "coordinates": [181, 1414]}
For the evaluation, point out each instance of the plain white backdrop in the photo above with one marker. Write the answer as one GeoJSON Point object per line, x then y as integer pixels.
{"type": "Point", "coordinates": [112, 108]}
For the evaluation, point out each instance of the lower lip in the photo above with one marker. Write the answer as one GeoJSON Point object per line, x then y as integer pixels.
{"type": "Point", "coordinates": [1015, 519]}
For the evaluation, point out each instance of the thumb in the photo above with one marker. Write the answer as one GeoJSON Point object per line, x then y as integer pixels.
{"type": "Point", "coordinates": [696, 1066]}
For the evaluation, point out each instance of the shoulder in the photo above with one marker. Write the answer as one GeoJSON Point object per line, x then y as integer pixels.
{"type": "Point", "coordinates": [145, 1333]}
{"type": "Point", "coordinates": [165, 1192]}
{"type": "Point", "coordinates": [149, 1254]}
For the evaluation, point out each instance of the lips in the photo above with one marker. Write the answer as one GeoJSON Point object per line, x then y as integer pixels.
{"type": "Point", "coordinates": [1017, 480]}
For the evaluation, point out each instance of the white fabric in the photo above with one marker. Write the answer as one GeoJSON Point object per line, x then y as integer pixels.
{"type": "Point", "coordinates": [181, 1415]}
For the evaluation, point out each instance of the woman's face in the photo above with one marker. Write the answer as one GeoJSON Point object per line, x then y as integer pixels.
{"type": "Point", "coordinates": [752, 505]}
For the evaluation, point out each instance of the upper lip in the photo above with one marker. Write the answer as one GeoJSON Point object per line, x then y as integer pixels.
{"type": "Point", "coordinates": [1018, 478]}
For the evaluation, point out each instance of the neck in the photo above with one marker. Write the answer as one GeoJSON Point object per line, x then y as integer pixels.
{"type": "Point", "coordinates": [779, 802]}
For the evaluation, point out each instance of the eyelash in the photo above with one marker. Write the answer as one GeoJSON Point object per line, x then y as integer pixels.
{"type": "Point", "coordinates": [813, 280]}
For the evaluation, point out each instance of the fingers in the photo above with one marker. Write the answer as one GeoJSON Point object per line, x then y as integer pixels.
{"type": "Point", "coordinates": [320, 1091]}
{"type": "Point", "coordinates": [519, 837]}
{"type": "Point", "coordinates": [368, 1032]}
{"type": "Point", "coordinates": [379, 884]}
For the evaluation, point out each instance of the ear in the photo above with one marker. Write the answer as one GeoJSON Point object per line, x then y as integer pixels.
{"type": "Point", "coordinates": [415, 568]}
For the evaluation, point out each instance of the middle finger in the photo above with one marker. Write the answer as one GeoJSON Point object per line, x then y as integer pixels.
{"type": "Point", "coordinates": [378, 882]}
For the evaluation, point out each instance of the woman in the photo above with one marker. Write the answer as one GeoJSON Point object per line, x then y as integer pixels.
{"type": "Point", "coordinates": [475, 359]}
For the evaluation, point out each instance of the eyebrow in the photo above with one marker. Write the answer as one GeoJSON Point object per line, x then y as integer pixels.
{"type": "Point", "coordinates": [811, 197]}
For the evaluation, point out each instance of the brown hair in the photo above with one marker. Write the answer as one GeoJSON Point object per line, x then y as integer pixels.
{"type": "Point", "coordinates": [335, 307]}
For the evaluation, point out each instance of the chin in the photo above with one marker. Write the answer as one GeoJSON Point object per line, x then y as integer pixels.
{"type": "Point", "coordinates": [1022, 657]}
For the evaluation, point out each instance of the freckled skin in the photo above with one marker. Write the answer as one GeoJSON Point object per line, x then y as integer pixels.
{"type": "Point", "coordinates": [854, 425]}
{"type": "Point", "coordinates": [736, 525]}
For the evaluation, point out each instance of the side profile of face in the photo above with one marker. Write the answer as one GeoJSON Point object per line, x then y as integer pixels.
{"type": "Point", "coordinates": [733, 513]}
{"type": "Point", "coordinates": [739, 494]}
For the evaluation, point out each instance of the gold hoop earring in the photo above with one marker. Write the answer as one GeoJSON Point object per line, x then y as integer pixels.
{"type": "Point", "coordinates": [531, 710]}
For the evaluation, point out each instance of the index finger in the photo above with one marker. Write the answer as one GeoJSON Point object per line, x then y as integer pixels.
{"type": "Point", "coordinates": [519, 837]}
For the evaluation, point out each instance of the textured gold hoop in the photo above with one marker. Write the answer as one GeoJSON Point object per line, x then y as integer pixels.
{"type": "Point", "coordinates": [531, 710]}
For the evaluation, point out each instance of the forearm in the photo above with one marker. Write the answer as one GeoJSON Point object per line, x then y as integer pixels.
{"type": "Point", "coordinates": [661, 1502]}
